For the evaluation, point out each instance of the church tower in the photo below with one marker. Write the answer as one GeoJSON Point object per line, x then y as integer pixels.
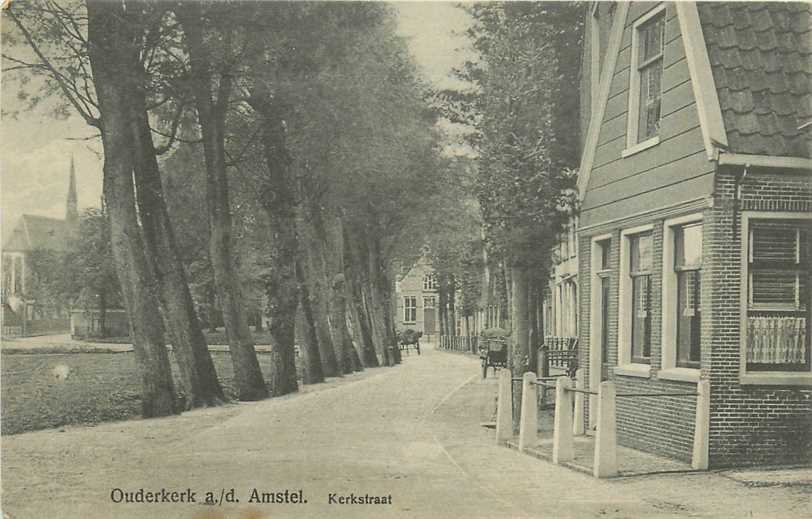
{"type": "Point", "coordinates": [72, 206]}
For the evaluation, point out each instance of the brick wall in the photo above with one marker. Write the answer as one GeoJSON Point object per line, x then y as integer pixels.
{"type": "Point", "coordinates": [749, 424]}
{"type": "Point", "coordinates": [663, 425]}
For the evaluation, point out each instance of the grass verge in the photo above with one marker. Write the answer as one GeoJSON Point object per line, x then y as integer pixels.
{"type": "Point", "coordinates": [41, 391]}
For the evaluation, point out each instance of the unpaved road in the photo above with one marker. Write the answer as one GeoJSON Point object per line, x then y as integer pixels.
{"type": "Point", "coordinates": [411, 432]}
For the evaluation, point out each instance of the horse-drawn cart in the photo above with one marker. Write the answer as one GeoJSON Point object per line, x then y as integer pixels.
{"type": "Point", "coordinates": [493, 354]}
{"type": "Point", "coordinates": [409, 338]}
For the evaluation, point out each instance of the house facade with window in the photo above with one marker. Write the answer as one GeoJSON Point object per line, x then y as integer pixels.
{"type": "Point", "coordinates": [416, 294]}
{"type": "Point", "coordinates": [560, 303]}
{"type": "Point", "coordinates": [696, 222]}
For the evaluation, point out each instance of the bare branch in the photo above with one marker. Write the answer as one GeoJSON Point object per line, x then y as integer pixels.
{"type": "Point", "coordinates": [88, 138]}
{"type": "Point", "coordinates": [173, 134]}
{"type": "Point", "coordinates": [69, 92]}
{"type": "Point", "coordinates": [177, 139]}
{"type": "Point", "coordinates": [233, 162]}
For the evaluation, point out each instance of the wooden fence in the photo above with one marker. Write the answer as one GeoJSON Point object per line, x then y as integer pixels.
{"type": "Point", "coordinates": [464, 343]}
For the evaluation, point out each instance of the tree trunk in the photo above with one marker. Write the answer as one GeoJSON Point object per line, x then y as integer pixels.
{"type": "Point", "coordinates": [331, 268]}
{"type": "Point", "coordinates": [189, 344]}
{"type": "Point", "coordinates": [442, 301]}
{"type": "Point", "coordinates": [306, 331]}
{"type": "Point", "coordinates": [370, 305]}
{"type": "Point", "coordinates": [258, 327]}
{"type": "Point", "coordinates": [211, 297]}
{"type": "Point", "coordinates": [519, 327]}
{"type": "Point", "coordinates": [379, 305]}
{"type": "Point", "coordinates": [277, 199]}
{"type": "Point", "coordinates": [452, 295]}
{"type": "Point", "coordinates": [506, 312]}
{"type": "Point", "coordinates": [103, 312]}
{"type": "Point", "coordinates": [355, 300]}
{"type": "Point", "coordinates": [315, 278]}
{"type": "Point", "coordinates": [533, 339]}
{"type": "Point", "coordinates": [339, 310]}
{"type": "Point", "coordinates": [212, 118]}
{"type": "Point", "coordinates": [519, 319]}
{"type": "Point", "coordinates": [109, 52]}
{"type": "Point", "coordinates": [339, 318]}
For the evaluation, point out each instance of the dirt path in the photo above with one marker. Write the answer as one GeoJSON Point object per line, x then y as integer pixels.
{"type": "Point", "coordinates": [410, 432]}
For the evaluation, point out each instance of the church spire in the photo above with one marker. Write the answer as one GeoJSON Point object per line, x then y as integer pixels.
{"type": "Point", "coordinates": [72, 206]}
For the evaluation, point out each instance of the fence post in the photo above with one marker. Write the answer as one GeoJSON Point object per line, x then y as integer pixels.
{"type": "Point", "coordinates": [578, 422]}
{"type": "Point", "coordinates": [504, 408]}
{"type": "Point", "coordinates": [562, 423]}
{"type": "Point", "coordinates": [544, 360]}
{"type": "Point", "coordinates": [529, 421]}
{"type": "Point", "coordinates": [699, 460]}
{"type": "Point", "coordinates": [606, 435]}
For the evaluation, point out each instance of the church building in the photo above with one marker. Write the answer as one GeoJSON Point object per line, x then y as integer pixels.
{"type": "Point", "coordinates": [32, 233]}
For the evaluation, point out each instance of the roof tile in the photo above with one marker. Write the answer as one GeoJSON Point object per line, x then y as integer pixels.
{"type": "Point", "coordinates": [760, 59]}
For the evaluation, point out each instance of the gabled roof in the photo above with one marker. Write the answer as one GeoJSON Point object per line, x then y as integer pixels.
{"type": "Point", "coordinates": [760, 56]}
{"type": "Point", "coordinates": [38, 232]}
{"type": "Point", "coordinates": [750, 65]}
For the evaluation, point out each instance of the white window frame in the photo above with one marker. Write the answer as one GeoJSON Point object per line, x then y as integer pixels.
{"type": "Point", "coordinates": [632, 146]}
{"type": "Point", "coordinates": [625, 305]}
{"type": "Point", "coordinates": [430, 282]}
{"type": "Point", "coordinates": [765, 378]}
{"type": "Point", "coordinates": [596, 321]}
{"type": "Point", "coordinates": [406, 308]}
{"type": "Point", "coordinates": [668, 346]}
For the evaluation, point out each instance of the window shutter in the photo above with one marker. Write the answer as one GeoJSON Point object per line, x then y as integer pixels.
{"type": "Point", "coordinates": [774, 242]}
{"type": "Point", "coordinates": [773, 287]}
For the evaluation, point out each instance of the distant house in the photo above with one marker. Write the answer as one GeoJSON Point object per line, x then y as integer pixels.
{"type": "Point", "coordinates": [560, 303]}
{"type": "Point", "coordinates": [417, 300]}
{"type": "Point", "coordinates": [34, 233]}
{"type": "Point", "coordinates": [696, 222]}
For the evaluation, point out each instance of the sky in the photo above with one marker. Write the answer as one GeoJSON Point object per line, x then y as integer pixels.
{"type": "Point", "coordinates": [36, 148]}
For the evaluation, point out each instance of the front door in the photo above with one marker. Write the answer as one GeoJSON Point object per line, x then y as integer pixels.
{"type": "Point", "coordinates": [429, 321]}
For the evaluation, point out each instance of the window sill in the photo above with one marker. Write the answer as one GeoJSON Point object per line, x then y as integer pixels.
{"type": "Point", "coordinates": [634, 370]}
{"type": "Point", "coordinates": [679, 374]}
{"type": "Point", "coordinates": [640, 146]}
{"type": "Point", "coordinates": [776, 379]}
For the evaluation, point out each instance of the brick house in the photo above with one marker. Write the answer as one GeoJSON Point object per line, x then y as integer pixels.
{"type": "Point", "coordinates": [696, 222]}
{"type": "Point", "coordinates": [417, 299]}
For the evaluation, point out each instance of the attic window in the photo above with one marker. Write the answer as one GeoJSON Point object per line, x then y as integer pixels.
{"type": "Point", "coordinates": [645, 91]}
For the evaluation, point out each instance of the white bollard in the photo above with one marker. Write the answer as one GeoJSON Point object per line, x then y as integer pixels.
{"type": "Point", "coordinates": [529, 422]}
{"type": "Point", "coordinates": [699, 460]}
{"type": "Point", "coordinates": [563, 449]}
{"type": "Point", "coordinates": [605, 464]}
{"type": "Point", "coordinates": [578, 422]}
{"type": "Point", "coordinates": [504, 409]}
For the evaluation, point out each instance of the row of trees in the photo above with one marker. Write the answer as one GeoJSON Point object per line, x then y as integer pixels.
{"type": "Point", "coordinates": [520, 109]}
{"type": "Point", "coordinates": [284, 145]}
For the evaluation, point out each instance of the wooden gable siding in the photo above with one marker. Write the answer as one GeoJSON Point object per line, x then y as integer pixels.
{"type": "Point", "coordinates": [674, 171]}
{"type": "Point", "coordinates": [584, 87]}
